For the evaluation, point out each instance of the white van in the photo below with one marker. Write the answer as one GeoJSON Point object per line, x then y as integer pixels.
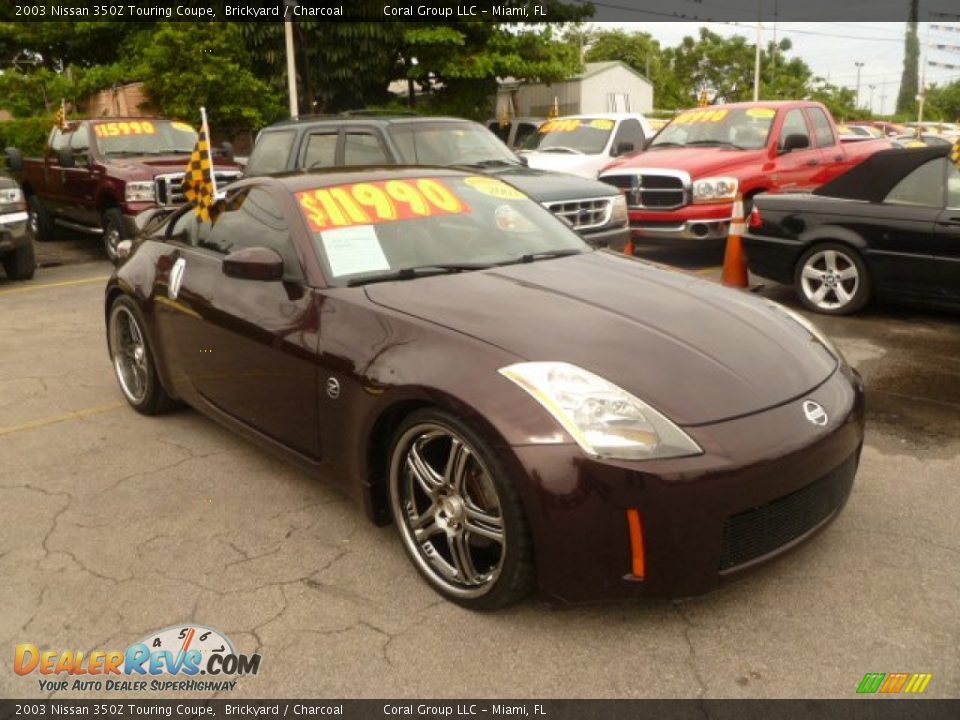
{"type": "Point", "coordinates": [583, 144]}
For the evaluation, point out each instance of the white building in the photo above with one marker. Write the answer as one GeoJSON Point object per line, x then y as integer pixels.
{"type": "Point", "coordinates": [602, 87]}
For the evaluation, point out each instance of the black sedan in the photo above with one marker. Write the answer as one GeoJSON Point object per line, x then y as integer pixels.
{"type": "Point", "coordinates": [888, 229]}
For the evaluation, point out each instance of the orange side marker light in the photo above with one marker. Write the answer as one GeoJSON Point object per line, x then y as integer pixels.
{"type": "Point", "coordinates": [636, 542]}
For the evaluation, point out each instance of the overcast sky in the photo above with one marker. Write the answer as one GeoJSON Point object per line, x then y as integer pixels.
{"type": "Point", "coordinates": [831, 49]}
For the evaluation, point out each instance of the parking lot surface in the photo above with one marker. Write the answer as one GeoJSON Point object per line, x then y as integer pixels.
{"type": "Point", "coordinates": [113, 525]}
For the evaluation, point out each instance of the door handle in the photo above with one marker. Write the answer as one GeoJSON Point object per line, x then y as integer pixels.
{"type": "Point", "coordinates": [838, 158]}
{"type": "Point", "coordinates": [176, 278]}
{"type": "Point", "coordinates": [811, 162]}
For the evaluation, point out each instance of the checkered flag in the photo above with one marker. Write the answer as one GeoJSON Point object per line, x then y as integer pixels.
{"type": "Point", "coordinates": [955, 152]}
{"type": "Point", "coordinates": [60, 120]}
{"type": "Point", "coordinates": [199, 185]}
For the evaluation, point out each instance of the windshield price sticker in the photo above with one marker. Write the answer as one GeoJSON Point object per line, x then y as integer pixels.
{"type": "Point", "coordinates": [559, 126]}
{"type": "Point", "coordinates": [602, 124]}
{"type": "Point", "coordinates": [371, 203]}
{"type": "Point", "coordinates": [700, 116]}
{"type": "Point", "coordinates": [131, 127]}
{"type": "Point", "coordinates": [761, 113]}
{"type": "Point", "coordinates": [494, 188]}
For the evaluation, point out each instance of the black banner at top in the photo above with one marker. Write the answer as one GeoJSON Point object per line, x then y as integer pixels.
{"type": "Point", "coordinates": [519, 11]}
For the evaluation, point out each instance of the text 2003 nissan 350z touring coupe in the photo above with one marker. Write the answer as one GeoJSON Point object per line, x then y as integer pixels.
{"type": "Point", "coordinates": [529, 411]}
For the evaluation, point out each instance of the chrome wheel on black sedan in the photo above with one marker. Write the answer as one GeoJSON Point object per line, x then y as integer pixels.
{"type": "Point", "coordinates": [132, 360]}
{"type": "Point", "coordinates": [832, 279]}
{"type": "Point", "coordinates": [459, 520]}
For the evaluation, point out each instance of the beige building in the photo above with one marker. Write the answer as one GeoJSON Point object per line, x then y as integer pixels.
{"type": "Point", "coordinates": [121, 101]}
{"type": "Point", "coordinates": [602, 87]}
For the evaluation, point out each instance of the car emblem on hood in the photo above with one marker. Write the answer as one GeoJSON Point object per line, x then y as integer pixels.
{"type": "Point", "coordinates": [815, 413]}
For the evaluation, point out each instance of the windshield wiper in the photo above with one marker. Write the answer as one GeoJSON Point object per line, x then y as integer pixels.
{"type": "Point", "coordinates": [716, 142]}
{"type": "Point", "coordinates": [409, 273]}
{"type": "Point", "coordinates": [545, 255]}
{"type": "Point", "coordinates": [665, 143]}
{"type": "Point", "coordinates": [490, 163]}
{"type": "Point", "coordinates": [562, 149]}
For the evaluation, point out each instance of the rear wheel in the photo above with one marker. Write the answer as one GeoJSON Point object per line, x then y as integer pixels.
{"type": "Point", "coordinates": [112, 222]}
{"type": "Point", "coordinates": [39, 221]}
{"type": "Point", "coordinates": [21, 263]}
{"type": "Point", "coordinates": [832, 278]}
{"type": "Point", "coordinates": [458, 514]}
{"type": "Point", "coordinates": [133, 360]}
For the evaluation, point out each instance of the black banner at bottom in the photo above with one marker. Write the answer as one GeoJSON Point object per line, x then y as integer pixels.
{"type": "Point", "coordinates": [854, 709]}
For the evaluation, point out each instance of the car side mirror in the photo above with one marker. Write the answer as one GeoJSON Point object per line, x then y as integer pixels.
{"type": "Point", "coordinates": [226, 149]}
{"type": "Point", "coordinates": [623, 148]}
{"type": "Point", "coordinates": [255, 263]}
{"type": "Point", "coordinates": [524, 160]}
{"type": "Point", "coordinates": [793, 142]}
{"type": "Point", "coordinates": [65, 156]}
{"type": "Point", "coordinates": [14, 159]}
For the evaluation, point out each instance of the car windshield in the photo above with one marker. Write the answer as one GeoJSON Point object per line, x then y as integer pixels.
{"type": "Point", "coordinates": [404, 228]}
{"type": "Point", "coordinates": [575, 136]}
{"type": "Point", "coordinates": [449, 143]}
{"type": "Point", "coordinates": [144, 137]}
{"type": "Point", "coordinates": [741, 128]}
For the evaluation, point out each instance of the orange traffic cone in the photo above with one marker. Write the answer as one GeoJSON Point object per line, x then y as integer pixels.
{"type": "Point", "coordinates": [734, 261]}
{"type": "Point", "coordinates": [628, 248]}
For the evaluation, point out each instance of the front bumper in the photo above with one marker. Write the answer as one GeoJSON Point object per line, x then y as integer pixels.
{"type": "Point", "coordinates": [13, 232]}
{"type": "Point", "coordinates": [764, 484]}
{"type": "Point", "coordinates": [612, 238]}
{"type": "Point", "coordinates": [692, 222]}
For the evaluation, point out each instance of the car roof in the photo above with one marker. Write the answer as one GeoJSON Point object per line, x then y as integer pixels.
{"type": "Point", "coordinates": [601, 116]}
{"type": "Point", "coordinates": [876, 176]}
{"type": "Point", "coordinates": [295, 181]}
{"type": "Point", "coordinates": [359, 118]}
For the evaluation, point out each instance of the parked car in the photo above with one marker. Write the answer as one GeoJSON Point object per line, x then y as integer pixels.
{"type": "Point", "coordinates": [922, 140]}
{"type": "Point", "coordinates": [529, 411]}
{"type": "Point", "coordinates": [16, 243]}
{"type": "Point", "coordinates": [683, 186]}
{"type": "Point", "coordinates": [97, 175]}
{"type": "Point", "coordinates": [854, 133]}
{"type": "Point", "coordinates": [514, 132]}
{"type": "Point", "coordinates": [888, 229]}
{"type": "Point", "coordinates": [583, 144]}
{"type": "Point", "coordinates": [594, 209]}
{"type": "Point", "coordinates": [887, 128]}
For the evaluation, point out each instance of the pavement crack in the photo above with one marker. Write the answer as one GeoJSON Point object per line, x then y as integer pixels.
{"type": "Point", "coordinates": [687, 627]}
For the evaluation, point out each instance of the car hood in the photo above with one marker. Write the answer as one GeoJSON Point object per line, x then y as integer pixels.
{"type": "Point", "coordinates": [698, 161]}
{"type": "Point", "coordinates": [545, 186]}
{"type": "Point", "coordinates": [698, 352]}
{"type": "Point", "coordinates": [585, 166]}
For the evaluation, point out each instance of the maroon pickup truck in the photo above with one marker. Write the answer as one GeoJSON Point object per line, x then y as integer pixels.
{"type": "Point", "coordinates": [97, 175]}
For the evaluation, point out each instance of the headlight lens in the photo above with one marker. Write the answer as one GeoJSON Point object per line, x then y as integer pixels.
{"type": "Point", "coordinates": [618, 216]}
{"type": "Point", "coordinates": [820, 336]}
{"type": "Point", "coordinates": [605, 420]}
{"type": "Point", "coordinates": [9, 196]}
{"type": "Point", "coordinates": [715, 189]}
{"type": "Point", "coordinates": [140, 192]}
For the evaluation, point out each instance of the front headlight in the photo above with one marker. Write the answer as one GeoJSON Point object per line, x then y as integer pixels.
{"type": "Point", "coordinates": [11, 196]}
{"type": "Point", "coordinates": [605, 420]}
{"type": "Point", "coordinates": [618, 215]}
{"type": "Point", "coordinates": [140, 191]}
{"type": "Point", "coordinates": [715, 190]}
{"type": "Point", "coordinates": [817, 333]}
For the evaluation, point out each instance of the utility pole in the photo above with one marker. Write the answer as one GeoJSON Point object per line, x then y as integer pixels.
{"type": "Point", "coordinates": [872, 88]}
{"type": "Point", "coordinates": [756, 63]}
{"type": "Point", "coordinates": [291, 58]}
{"type": "Point", "coordinates": [859, 65]}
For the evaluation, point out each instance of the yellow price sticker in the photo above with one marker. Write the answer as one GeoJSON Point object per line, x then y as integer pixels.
{"type": "Point", "coordinates": [494, 188]}
{"type": "Point", "coordinates": [761, 113]}
{"type": "Point", "coordinates": [559, 126]}
{"type": "Point", "coordinates": [602, 124]}
{"type": "Point", "coordinates": [692, 117]}
{"type": "Point", "coordinates": [124, 127]}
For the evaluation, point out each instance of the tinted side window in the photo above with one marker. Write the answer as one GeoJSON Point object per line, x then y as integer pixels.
{"type": "Point", "coordinates": [184, 228]}
{"type": "Point", "coordinates": [58, 139]}
{"type": "Point", "coordinates": [524, 131]}
{"type": "Point", "coordinates": [362, 148]}
{"type": "Point", "coordinates": [501, 131]}
{"type": "Point", "coordinates": [822, 130]}
{"type": "Point", "coordinates": [953, 186]}
{"type": "Point", "coordinates": [271, 153]}
{"type": "Point", "coordinates": [321, 150]}
{"type": "Point", "coordinates": [80, 143]}
{"type": "Point", "coordinates": [631, 132]}
{"type": "Point", "coordinates": [793, 124]}
{"type": "Point", "coordinates": [924, 186]}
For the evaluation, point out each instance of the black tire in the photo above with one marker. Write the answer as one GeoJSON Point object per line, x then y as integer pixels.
{"type": "Point", "coordinates": [39, 220]}
{"type": "Point", "coordinates": [21, 263]}
{"type": "Point", "coordinates": [153, 400]}
{"type": "Point", "coordinates": [111, 220]}
{"type": "Point", "coordinates": [514, 577]}
{"type": "Point", "coordinates": [848, 284]}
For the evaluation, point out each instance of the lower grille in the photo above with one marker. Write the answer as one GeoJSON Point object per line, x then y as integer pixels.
{"type": "Point", "coordinates": [170, 192]}
{"type": "Point", "coordinates": [756, 532]}
{"type": "Point", "coordinates": [583, 214]}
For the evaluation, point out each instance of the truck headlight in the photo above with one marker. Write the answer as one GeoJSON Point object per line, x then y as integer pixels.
{"type": "Point", "coordinates": [618, 214]}
{"type": "Point", "coordinates": [715, 190]}
{"type": "Point", "coordinates": [11, 196]}
{"type": "Point", "coordinates": [144, 191]}
{"type": "Point", "coordinates": [605, 420]}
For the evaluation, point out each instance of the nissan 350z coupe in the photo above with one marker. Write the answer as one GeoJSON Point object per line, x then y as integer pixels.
{"type": "Point", "coordinates": [530, 412]}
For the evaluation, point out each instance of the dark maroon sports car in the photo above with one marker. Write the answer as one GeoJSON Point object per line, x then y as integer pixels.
{"type": "Point", "coordinates": [529, 411]}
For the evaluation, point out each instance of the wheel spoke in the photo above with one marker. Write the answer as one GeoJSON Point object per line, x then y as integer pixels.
{"type": "Point", "coordinates": [456, 468]}
{"type": "Point", "coordinates": [425, 528]}
{"type": "Point", "coordinates": [462, 559]}
{"type": "Point", "coordinates": [428, 478]}
{"type": "Point", "coordinates": [842, 295]}
{"type": "Point", "coordinates": [484, 524]}
{"type": "Point", "coordinates": [811, 273]}
{"type": "Point", "coordinates": [830, 259]}
{"type": "Point", "coordinates": [849, 273]}
{"type": "Point", "coordinates": [819, 296]}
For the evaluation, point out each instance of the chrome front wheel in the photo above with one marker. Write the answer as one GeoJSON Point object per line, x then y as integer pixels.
{"type": "Point", "coordinates": [133, 361]}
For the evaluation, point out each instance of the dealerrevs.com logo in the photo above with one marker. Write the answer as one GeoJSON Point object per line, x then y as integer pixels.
{"type": "Point", "coordinates": [171, 659]}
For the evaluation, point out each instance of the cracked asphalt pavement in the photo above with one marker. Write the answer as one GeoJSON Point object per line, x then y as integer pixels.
{"type": "Point", "coordinates": [113, 525]}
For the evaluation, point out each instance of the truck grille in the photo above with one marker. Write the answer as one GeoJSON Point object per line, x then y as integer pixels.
{"type": "Point", "coordinates": [169, 190]}
{"type": "Point", "coordinates": [583, 214]}
{"type": "Point", "coordinates": [758, 531]}
{"type": "Point", "coordinates": [650, 190]}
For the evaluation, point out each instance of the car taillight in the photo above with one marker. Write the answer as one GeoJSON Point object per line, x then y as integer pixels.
{"type": "Point", "coordinates": [755, 220]}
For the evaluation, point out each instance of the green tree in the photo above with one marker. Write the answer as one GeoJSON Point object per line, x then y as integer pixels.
{"type": "Point", "coordinates": [642, 53]}
{"type": "Point", "coordinates": [943, 102]}
{"type": "Point", "coordinates": [840, 101]}
{"type": "Point", "coordinates": [907, 97]}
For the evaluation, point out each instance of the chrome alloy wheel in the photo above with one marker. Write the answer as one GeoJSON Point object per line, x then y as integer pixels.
{"type": "Point", "coordinates": [829, 279]}
{"type": "Point", "coordinates": [446, 504]}
{"type": "Point", "coordinates": [129, 351]}
{"type": "Point", "coordinates": [33, 222]}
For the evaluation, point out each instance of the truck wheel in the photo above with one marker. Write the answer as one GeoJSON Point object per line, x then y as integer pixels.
{"type": "Point", "coordinates": [38, 220]}
{"type": "Point", "coordinates": [21, 263]}
{"type": "Point", "coordinates": [112, 222]}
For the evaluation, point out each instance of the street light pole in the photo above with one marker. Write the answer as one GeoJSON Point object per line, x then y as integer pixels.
{"type": "Point", "coordinates": [291, 58]}
{"type": "Point", "coordinates": [859, 65]}
{"type": "Point", "coordinates": [872, 88]}
{"type": "Point", "coordinates": [756, 62]}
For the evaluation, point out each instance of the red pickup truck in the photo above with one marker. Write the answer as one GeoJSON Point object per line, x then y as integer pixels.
{"type": "Point", "coordinates": [683, 185]}
{"type": "Point", "coordinates": [97, 175]}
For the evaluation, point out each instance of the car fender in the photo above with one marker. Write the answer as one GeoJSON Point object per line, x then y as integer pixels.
{"type": "Point", "coordinates": [833, 233]}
